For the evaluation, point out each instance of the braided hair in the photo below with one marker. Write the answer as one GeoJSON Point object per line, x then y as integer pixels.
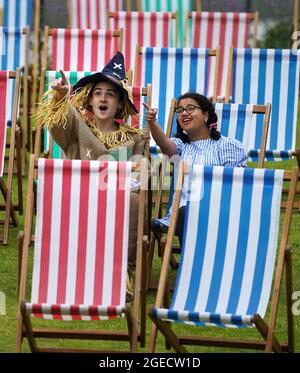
{"type": "Point", "coordinates": [206, 106]}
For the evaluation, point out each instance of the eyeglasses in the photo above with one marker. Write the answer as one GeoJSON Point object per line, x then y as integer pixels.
{"type": "Point", "coordinates": [179, 110]}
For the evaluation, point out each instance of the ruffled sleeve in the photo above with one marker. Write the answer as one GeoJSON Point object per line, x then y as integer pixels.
{"type": "Point", "coordinates": [232, 153]}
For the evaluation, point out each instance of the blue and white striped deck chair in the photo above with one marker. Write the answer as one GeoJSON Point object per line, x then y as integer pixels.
{"type": "Point", "coordinates": [172, 72]}
{"type": "Point", "coordinates": [228, 257]}
{"type": "Point", "coordinates": [269, 75]}
{"type": "Point", "coordinates": [17, 13]}
{"type": "Point", "coordinates": [239, 121]}
{"type": "Point", "coordinates": [180, 6]}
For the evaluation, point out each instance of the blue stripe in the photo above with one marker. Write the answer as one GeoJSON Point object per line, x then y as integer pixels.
{"type": "Point", "coordinates": [225, 119]}
{"type": "Point", "coordinates": [148, 72]}
{"type": "Point", "coordinates": [240, 127]}
{"type": "Point", "coordinates": [221, 240]}
{"type": "Point", "coordinates": [9, 6]}
{"type": "Point", "coordinates": [178, 72]}
{"type": "Point", "coordinates": [173, 315]}
{"type": "Point", "coordinates": [193, 70]}
{"type": "Point", "coordinates": [263, 241]}
{"type": "Point", "coordinates": [206, 72]}
{"type": "Point", "coordinates": [243, 236]}
{"type": "Point", "coordinates": [234, 75]}
{"type": "Point", "coordinates": [201, 237]}
{"type": "Point", "coordinates": [274, 123]}
{"type": "Point", "coordinates": [5, 12]}
{"type": "Point", "coordinates": [246, 76]}
{"type": "Point", "coordinates": [163, 78]}
{"type": "Point", "coordinates": [237, 320]}
{"type": "Point", "coordinates": [292, 91]}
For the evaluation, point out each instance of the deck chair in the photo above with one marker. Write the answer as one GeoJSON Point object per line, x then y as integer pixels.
{"type": "Point", "coordinates": [91, 14]}
{"type": "Point", "coordinates": [82, 50]}
{"type": "Point", "coordinates": [269, 75]}
{"type": "Point", "coordinates": [79, 271]}
{"type": "Point", "coordinates": [225, 274]}
{"type": "Point", "coordinates": [15, 54]}
{"type": "Point", "coordinates": [180, 6]}
{"type": "Point", "coordinates": [234, 120]}
{"type": "Point", "coordinates": [20, 14]}
{"type": "Point", "coordinates": [151, 29]}
{"type": "Point", "coordinates": [173, 71]}
{"type": "Point", "coordinates": [220, 29]}
{"type": "Point", "coordinates": [6, 81]}
{"type": "Point", "coordinates": [139, 95]}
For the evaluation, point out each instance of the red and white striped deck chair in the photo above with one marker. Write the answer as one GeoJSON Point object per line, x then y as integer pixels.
{"type": "Point", "coordinates": [91, 14]}
{"type": "Point", "coordinates": [81, 249]}
{"type": "Point", "coordinates": [151, 29]}
{"type": "Point", "coordinates": [7, 79]}
{"type": "Point", "coordinates": [213, 29]}
{"type": "Point", "coordinates": [79, 49]}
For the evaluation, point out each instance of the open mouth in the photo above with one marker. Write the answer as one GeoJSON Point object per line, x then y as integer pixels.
{"type": "Point", "coordinates": [103, 108]}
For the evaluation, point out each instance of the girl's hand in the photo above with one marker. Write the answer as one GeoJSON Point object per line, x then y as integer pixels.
{"type": "Point", "coordinates": [151, 114]}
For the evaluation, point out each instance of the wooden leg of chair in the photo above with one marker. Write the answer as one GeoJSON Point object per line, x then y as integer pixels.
{"type": "Point", "coordinates": [28, 328]}
{"type": "Point", "coordinates": [21, 240]}
{"type": "Point", "coordinates": [19, 171]}
{"type": "Point", "coordinates": [289, 291]}
{"type": "Point", "coordinates": [262, 327]}
{"type": "Point", "coordinates": [144, 293]}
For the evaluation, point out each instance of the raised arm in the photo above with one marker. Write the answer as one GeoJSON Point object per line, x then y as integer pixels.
{"type": "Point", "coordinates": [60, 86]}
{"type": "Point", "coordinates": [166, 145]}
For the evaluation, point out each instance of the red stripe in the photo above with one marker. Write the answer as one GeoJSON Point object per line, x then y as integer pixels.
{"type": "Point", "coordinates": [80, 55]}
{"type": "Point", "coordinates": [139, 69]}
{"type": "Point", "coordinates": [111, 311]}
{"type": "Point", "coordinates": [56, 312]}
{"type": "Point", "coordinates": [108, 43]}
{"type": "Point", "coordinates": [166, 29]}
{"type": "Point", "coordinates": [136, 93]}
{"type": "Point", "coordinates": [128, 23]}
{"type": "Point", "coordinates": [196, 43]}
{"type": "Point", "coordinates": [37, 310]}
{"type": "Point", "coordinates": [248, 20]}
{"type": "Point", "coordinates": [118, 239]}
{"type": "Point", "coordinates": [223, 22]}
{"type": "Point", "coordinates": [3, 88]}
{"type": "Point", "coordinates": [54, 49]}
{"type": "Point", "coordinates": [64, 232]}
{"type": "Point", "coordinates": [74, 312]}
{"type": "Point", "coordinates": [140, 32]}
{"type": "Point", "coordinates": [78, 14]}
{"type": "Point", "coordinates": [67, 51]}
{"type": "Point", "coordinates": [46, 230]}
{"type": "Point", "coordinates": [88, 13]}
{"type": "Point", "coordinates": [153, 29]}
{"type": "Point", "coordinates": [210, 30]}
{"type": "Point", "coordinates": [235, 30]}
{"type": "Point", "coordinates": [97, 15]}
{"type": "Point", "coordinates": [100, 240]}
{"type": "Point", "coordinates": [82, 234]}
{"type": "Point", "coordinates": [94, 51]}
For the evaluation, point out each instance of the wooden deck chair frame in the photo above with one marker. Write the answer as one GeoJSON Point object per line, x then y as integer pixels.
{"type": "Point", "coordinates": [24, 325]}
{"type": "Point", "coordinates": [48, 32]}
{"type": "Point", "coordinates": [160, 200]}
{"type": "Point", "coordinates": [10, 217]}
{"type": "Point", "coordinates": [270, 342]}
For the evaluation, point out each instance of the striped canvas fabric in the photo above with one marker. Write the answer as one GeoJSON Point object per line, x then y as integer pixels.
{"type": "Point", "coordinates": [5, 83]}
{"type": "Point", "coordinates": [151, 29]}
{"type": "Point", "coordinates": [73, 77]}
{"type": "Point", "coordinates": [229, 247]}
{"type": "Point", "coordinates": [238, 121]}
{"type": "Point", "coordinates": [213, 29]}
{"type": "Point", "coordinates": [270, 76]}
{"type": "Point", "coordinates": [13, 46]}
{"type": "Point", "coordinates": [80, 254]}
{"type": "Point", "coordinates": [17, 13]}
{"type": "Point", "coordinates": [82, 50]}
{"type": "Point", "coordinates": [91, 14]}
{"type": "Point", "coordinates": [174, 71]}
{"type": "Point", "coordinates": [180, 6]}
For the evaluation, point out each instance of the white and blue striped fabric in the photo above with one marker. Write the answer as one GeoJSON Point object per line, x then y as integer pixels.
{"type": "Point", "coordinates": [263, 76]}
{"type": "Point", "coordinates": [17, 13]}
{"type": "Point", "coordinates": [229, 247]}
{"type": "Point", "coordinates": [238, 121]}
{"type": "Point", "coordinates": [172, 72]}
{"type": "Point", "coordinates": [13, 46]}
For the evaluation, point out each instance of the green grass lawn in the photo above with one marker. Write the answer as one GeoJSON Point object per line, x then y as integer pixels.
{"type": "Point", "coordinates": [9, 286]}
